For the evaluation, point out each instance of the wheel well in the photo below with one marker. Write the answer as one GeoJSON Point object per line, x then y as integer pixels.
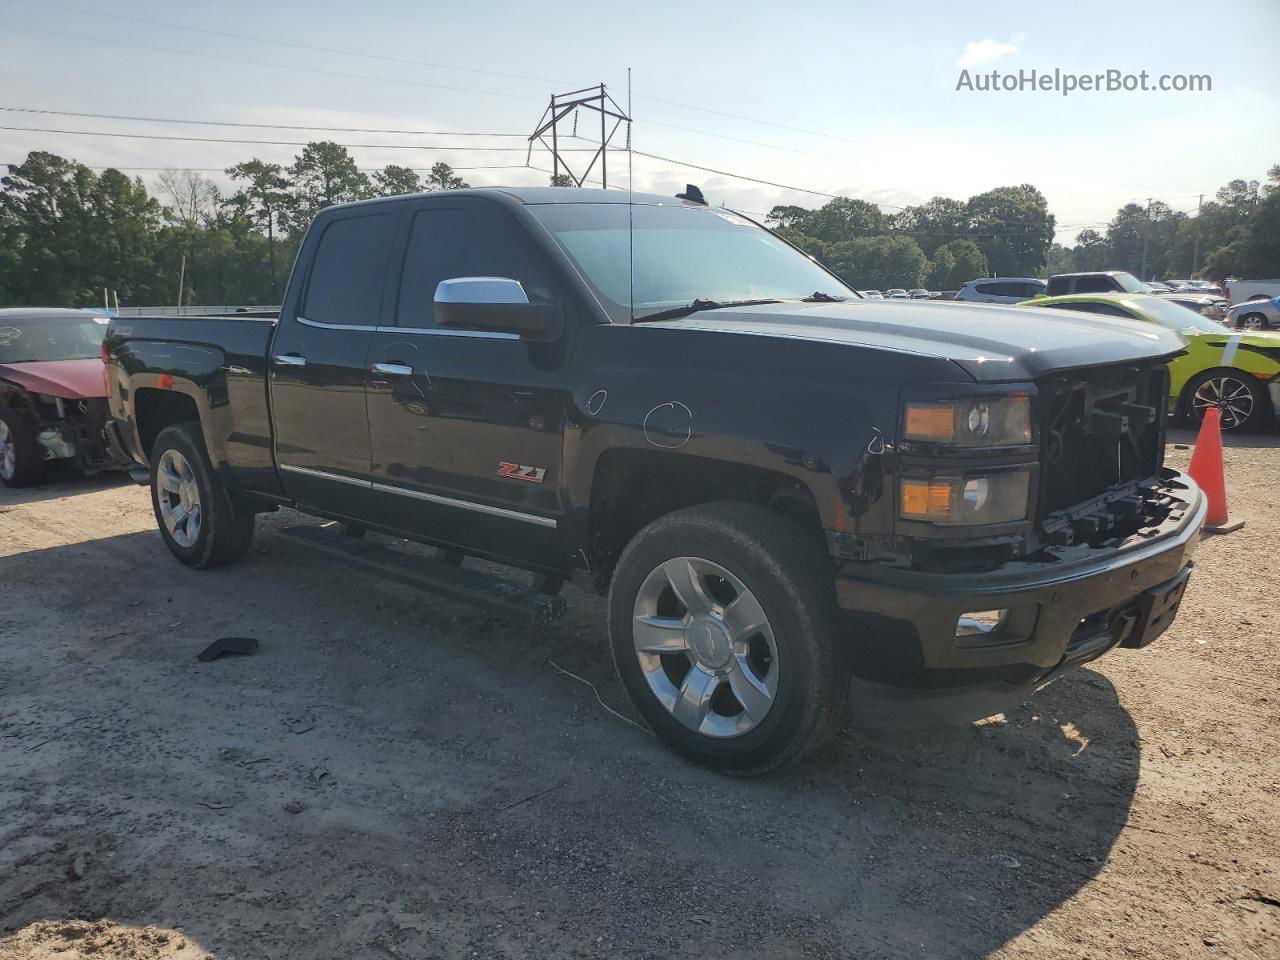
{"type": "Point", "coordinates": [632, 488]}
{"type": "Point", "coordinates": [156, 409]}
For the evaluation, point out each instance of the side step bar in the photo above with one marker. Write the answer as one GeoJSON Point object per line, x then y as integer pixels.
{"type": "Point", "coordinates": [435, 576]}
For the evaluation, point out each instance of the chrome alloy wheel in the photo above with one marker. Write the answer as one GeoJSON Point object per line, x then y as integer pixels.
{"type": "Point", "coordinates": [179, 498]}
{"type": "Point", "coordinates": [8, 452]}
{"type": "Point", "coordinates": [706, 647]}
{"type": "Point", "coordinates": [1231, 396]}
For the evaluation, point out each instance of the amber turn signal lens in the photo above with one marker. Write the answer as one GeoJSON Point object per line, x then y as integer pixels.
{"type": "Point", "coordinates": [926, 499]}
{"type": "Point", "coordinates": [931, 421]}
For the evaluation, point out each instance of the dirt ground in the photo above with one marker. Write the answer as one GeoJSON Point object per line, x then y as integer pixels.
{"type": "Point", "coordinates": [394, 775]}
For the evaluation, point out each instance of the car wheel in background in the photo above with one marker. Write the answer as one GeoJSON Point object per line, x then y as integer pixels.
{"type": "Point", "coordinates": [722, 623]}
{"type": "Point", "coordinates": [1240, 399]}
{"type": "Point", "coordinates": [21, 456]}
{"type": "Point", "coordinates": [1255, 321]}
{"type": "Point", "coordinates": [201, 523]}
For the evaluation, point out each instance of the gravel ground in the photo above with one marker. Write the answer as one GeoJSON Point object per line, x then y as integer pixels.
{"type": "Point", "coordinates": [393, 775]}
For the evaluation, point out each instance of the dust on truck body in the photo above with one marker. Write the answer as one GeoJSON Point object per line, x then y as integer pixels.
{"type": "Point", "coordinates": [779, 485]}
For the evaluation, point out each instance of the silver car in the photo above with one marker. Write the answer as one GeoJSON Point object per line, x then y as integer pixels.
{"type": "Point", "coordinates": [1001, 289]}
{"type": "Point", "coordinates": [1255, 315]}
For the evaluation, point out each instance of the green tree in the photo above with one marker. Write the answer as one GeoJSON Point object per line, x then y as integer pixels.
{"type": "Point", "coordinates": [562, 180]}
{"type": "Point", "coordinates": [393, 180]}
{"type": "Point", "coordinates": [810, 245]}
{"type": "Point", "coordinates": [323, 174]}
{"type": "Point", "coordinates": [784, 217]}
{"type": "Point", "coordinates": [967, 263]}
{"type": "Point", "coordinates": [877, 262]}
{"type": "Point", "coordinates": [263, 201]}
{"type": "Point", "coordinates": [1013, 227]}
{"type": "Point", "coordinates": [934, 223]}
{"type": "Point", "coordinates": [940, 269]}
{"type": "Point", "coordinates": [442, 177]}
{"type": "Point", "coordinates": [845, 219]}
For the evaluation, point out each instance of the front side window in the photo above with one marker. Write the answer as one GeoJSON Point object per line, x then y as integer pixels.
{"type": "Point", "coordinates": [653, 257]}
{"type": "Point", "coordinates": [446, 243]}
{"type": "Point", "coordinates": [345, 286]}
{"type": "Point", "coordinates": [24, 341]}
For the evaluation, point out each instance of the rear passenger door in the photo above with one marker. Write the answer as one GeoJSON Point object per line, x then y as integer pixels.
{"type": "Point", "coordinates": [467, 426]}
{"type": "Point", "coordinates": [318, 362]}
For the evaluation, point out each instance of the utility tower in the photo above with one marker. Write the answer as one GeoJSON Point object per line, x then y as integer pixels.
{"type": "Point", "coordinates": [565, 107]}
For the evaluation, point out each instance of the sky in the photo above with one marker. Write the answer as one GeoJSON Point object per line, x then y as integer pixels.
{"type": "Point", "coordinates": [847, 98]}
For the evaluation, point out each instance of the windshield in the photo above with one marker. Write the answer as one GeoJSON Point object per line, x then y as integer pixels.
{"type": "Point", "coordinates": [51, 339]}
{"type": "Point", "coordinates": [1129, 283]}
{"type": "Point", "coordinates": [1175, 316]}
{"type": "Point", "coordinates": [680, 254]}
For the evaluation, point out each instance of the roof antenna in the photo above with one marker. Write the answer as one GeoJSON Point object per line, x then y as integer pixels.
{"type": "Point", "coordinates": [631, 218]}
{"type": "Point", "coordinates": [692, 194]}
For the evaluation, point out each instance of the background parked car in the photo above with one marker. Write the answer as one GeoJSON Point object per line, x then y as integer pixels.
{"type": "Point", "coordinates": [1237, 291]}
{"type": "Point", "coordinates": [53, 395]}
{"type": "Point", "coordinates": [1215, 308]}
{"type": "Point", "coordinates": [1237, 373]}
{"type": "Point", "coordinates": [1095, 281]}
{"type": "Point", "coordinates": [872, 294]}
{"type": "Point", "coordinates": [1255, 315]}
{"type": "Point", "coordinates": [920, 294]}
{"type": "Point", "coordinates": [1001, 289]}
{"type": "Point", "coordinates": [897, 293]}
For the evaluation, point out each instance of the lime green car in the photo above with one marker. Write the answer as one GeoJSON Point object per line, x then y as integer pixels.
{"type": "Point", "coordinates": [1236, 371]}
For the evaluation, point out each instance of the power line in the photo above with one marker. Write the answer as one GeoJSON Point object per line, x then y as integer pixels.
{"type": "Point", "coordinates": [282, 43]}
{"type": "Point", "coordinates": [274, 143]}
{"type": "Point", "coordinates": [259, 126]}
{"type": "Point", "coordinates": [99, 41]}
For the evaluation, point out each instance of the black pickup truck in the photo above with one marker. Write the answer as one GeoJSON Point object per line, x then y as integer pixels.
{"type": "Point", "coordinates": [780, 486]}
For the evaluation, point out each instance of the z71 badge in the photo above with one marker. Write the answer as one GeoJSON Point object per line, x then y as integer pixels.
{"type": "Point", "coordinates": [521, 472]}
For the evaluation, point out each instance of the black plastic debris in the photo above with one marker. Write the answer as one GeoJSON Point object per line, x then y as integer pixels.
{"type": "Point", "coordinates": [236, 645]}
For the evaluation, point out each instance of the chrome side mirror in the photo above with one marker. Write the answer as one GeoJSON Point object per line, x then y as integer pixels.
{"type": "Point", "coordinates": [494, 304]}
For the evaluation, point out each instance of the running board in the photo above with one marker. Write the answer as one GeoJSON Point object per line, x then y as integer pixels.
{"type": "Point", "coordinates": [435, 576]}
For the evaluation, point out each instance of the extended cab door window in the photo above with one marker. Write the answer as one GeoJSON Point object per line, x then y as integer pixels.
{"type": "Point", "coordinates": [467, 425]}
{"type": "Point", "coordinates": [318, 362]}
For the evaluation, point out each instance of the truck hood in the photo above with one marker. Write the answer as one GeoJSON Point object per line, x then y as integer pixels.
{"type": "Point", "coordinates": [989, 342]}
{"type": "Point", "coordinates": [68, 379]}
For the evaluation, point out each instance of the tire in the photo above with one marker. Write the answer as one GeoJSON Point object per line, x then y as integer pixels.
{"type": "Point", "coordinates": [200, 521]}
{"type": "Point", "coordinates": [1254, 321]}
{"type": "Point", "coordinates": [793, 669]}
{"type": "Point", "coordinates": [21, 456]}
{"type": "Point", "coordinates": [1244, 408]}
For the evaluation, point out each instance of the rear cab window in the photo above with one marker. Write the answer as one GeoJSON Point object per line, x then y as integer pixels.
{"type": "Point", "coordinates": [345, 284]}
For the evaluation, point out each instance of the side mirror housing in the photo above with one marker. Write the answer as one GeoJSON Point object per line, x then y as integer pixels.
{"type": "Point", "coordinates": [494, 305]}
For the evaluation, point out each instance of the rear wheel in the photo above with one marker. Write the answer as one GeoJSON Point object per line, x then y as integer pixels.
{"type": "Point", "coordinates": [21, 456]}
{"type": "Point", "coordinates": [1255, 321]}
{"type": "Point", "coordinates": [1240, 399]}
{"type": "Point", "coordinates": [722, 626]}
{"type": "Point", "coordinates": [200, 521]}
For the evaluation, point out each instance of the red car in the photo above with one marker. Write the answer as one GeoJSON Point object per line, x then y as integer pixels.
{"type": "Point", "coordinates": [53, 396]}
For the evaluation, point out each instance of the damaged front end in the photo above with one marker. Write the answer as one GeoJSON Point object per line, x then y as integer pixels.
{"type": "Point", "coordinates": [1098, 558]}
{"type": "Point", "coordinates": [74, 431]}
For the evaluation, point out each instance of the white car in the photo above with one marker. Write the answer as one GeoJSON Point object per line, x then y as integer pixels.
{"type": "Point", "coordinates": [897, 293]}
{"type": "Point", "coordinates": [872, 294]}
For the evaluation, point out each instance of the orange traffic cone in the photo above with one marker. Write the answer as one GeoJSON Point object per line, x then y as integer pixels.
{"type": "Point", "coordinates": [1206, 468]}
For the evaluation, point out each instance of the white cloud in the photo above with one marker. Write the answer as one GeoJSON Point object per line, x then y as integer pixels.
{"type": "Point", "coordinates": [984, 52]}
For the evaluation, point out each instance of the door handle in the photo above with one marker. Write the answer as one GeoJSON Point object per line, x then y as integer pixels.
{"type": "Point", "coordinates": [289, 360]}
{"type": "Point", "coordinates": [392, 369]}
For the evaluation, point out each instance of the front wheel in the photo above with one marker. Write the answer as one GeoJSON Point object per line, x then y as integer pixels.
{"type": "Point", "coordinates": [21, 457]}
{"type": "Point", "coordinates": [201, 523]}
{"type": "Point", "coordinates": [722, 623]}
{"type": "Point", "coordinates": [1240, 399]}
{"type": "Point", "coordinates": [1254, 321]}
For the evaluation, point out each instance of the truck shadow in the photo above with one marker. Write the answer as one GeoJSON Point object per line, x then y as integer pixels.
{"type": "Point", "coordinates": [393, 773]}
{"type": "Point", "coordinates": [62, 481]}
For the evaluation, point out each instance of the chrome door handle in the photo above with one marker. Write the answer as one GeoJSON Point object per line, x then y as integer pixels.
{"type": "Point", "coordinates": [289, 360]}
{"type": "Point", "coordinates": [392, 369]}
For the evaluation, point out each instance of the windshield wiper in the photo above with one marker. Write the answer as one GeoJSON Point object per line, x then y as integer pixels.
{"type": "Point", "coordinates": [820, 297]}
{"type": "Point", "coordinates": [699, 304]}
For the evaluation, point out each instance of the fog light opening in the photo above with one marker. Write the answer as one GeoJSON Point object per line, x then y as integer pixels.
{"type": "Point", "coordinates": [977, 622]}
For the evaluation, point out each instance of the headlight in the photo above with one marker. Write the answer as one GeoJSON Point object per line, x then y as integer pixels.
{"type": "Point", "coordinates": [971, 422]}
{"type": "Point", "coordinates": [994, 498]}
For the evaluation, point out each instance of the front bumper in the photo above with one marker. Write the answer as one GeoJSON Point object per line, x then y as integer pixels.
{"type": "Point", "coordinates": [1062, 614]}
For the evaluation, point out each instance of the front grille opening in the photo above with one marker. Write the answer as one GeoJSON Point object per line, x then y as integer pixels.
{"type": "Point", "coordinates": [1100, 430]}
